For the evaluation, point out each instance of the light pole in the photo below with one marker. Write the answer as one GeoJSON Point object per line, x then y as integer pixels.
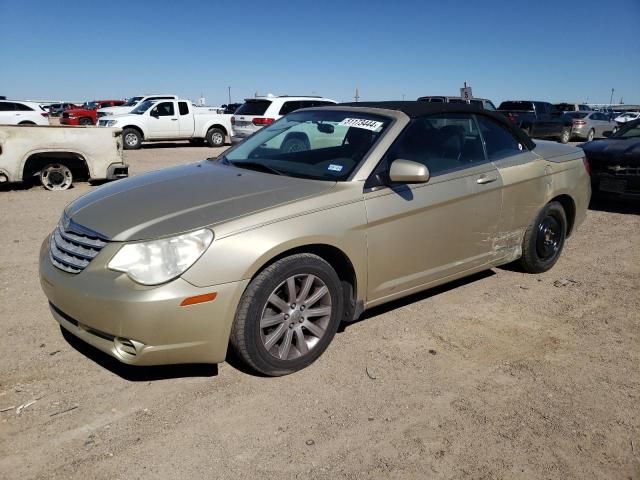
{"type": "Point", "coordinates": [611, 99]}
{"type": "Point", "coordinates": [229, 94]}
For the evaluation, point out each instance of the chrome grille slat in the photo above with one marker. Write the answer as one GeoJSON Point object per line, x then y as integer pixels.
{"type": "Point", "coordinates": [72, 251]}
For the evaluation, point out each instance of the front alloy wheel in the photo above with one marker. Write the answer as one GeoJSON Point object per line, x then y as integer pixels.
{"type": "Point", "coordinates": [288, 315]}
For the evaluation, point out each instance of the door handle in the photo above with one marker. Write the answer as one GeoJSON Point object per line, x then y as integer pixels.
{"type": "Point", "coordinates": [174, 119]}
{"type": "Point", "coordinates": [486, 179]}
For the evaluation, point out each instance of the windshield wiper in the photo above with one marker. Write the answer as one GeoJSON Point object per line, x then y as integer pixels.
{"type": "Point", "coordinates": [253, 166]}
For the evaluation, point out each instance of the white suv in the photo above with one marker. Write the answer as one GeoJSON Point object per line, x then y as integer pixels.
{"type": "Point", "coordinates": [22, 113]}
{"type": "Point", "coordinates": [259, 112]}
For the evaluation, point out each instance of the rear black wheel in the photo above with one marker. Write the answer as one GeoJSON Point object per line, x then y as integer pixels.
{"type": "Point", "coordinates": [565, 136]}
{"type": "Point", "coordinates": [544, 239]}
{"type": "Point", "coordinates": [215, 137]}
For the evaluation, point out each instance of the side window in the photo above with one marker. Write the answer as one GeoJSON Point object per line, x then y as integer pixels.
{"type": "Point", "coordinates": [183, 107]}
{"type": "Point", "coordinates": [6, 107]}
{"type": "Point", "coordinates": [164, 109]}
{"type": "Point", "coordinates": [289, 107]}
{"type": "Point", "coordinates": [541, 108]}
{"type": "Point", "coordinates": [22, 107]}
{"type": "Point", "coordinates": [443, 143]}
{"type": "Point", "coordinates": [498, 141]}
{"type": "Point", "coordinates": [320, 103]}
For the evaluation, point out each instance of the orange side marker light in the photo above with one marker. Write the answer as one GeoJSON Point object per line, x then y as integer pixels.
{"type": "Point", "coordinates": [207, 297]}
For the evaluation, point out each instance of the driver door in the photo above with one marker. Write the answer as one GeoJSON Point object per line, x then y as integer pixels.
{"type": "Point", "coordinates": [421, 234]}
{"type": "Point", "coordinates": [163, 121]}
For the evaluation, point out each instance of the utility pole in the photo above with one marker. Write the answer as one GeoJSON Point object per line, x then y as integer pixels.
{"type": "Point", "coordinates": [611, 99]}
{"type": "Point", "coordinates": [403, 97]}
{"type": "Point", "coordinates": [229, 95]}
{"type": "Point", "coordinates": [357, 97]}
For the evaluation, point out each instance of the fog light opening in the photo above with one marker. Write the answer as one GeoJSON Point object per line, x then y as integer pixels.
{"type": "Point", "coordinates": [126, 347]}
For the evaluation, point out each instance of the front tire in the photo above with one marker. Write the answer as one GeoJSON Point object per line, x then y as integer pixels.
{"type": "Point", "coordinates": [132, 139]}
{"type": "Point", "coordinates": [215, 137]}
{"type": "Point", "coordinates": [86, 121]}
{"type": "Point", "coordinates": [590, 135]}
{"type": "Point", "coordinates": [288, 315]}
{"type": "Point", "coordinates": [544, 239]}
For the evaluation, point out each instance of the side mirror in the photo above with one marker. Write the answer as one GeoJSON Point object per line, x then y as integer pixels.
{"type": "Point", "coordinates": [608, 133]}
{"type": "Point", "coordinates": [407, 171]}
{"type": "Point", "coordinates": [154, 113]}
{"type": "Point", "coordinates": [325, 128]}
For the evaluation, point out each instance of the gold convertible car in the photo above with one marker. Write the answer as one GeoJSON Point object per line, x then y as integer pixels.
{"type": "Point", "coordinates": [307, 223]}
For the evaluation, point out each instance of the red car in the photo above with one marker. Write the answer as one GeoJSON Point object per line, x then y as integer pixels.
{"type": "Point", "coordinates": [86, 114]}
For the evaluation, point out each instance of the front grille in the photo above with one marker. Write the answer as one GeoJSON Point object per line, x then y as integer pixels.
{"type": "Point", "coordinates": [102, 123]}
{"type": "Point", "coordinates": [72, 249]}
{"type": "Point", "coordinates": [101, 114]}
{"type": "Point", "coordinates": [65, 115]}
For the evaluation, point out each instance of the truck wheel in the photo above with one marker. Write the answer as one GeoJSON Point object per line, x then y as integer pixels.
{"type": "Point", "coordinates": [215, 137]}
{"type": "Point", "coordinates": [56, 176]}
{"type": "Point", "coordinates": [565, 136]}
{"type": "Point", "coordinates": [590, 135]}
{"type": "Point", "coordinates": [132, 139]}
{"type": "Point", "coordinates": [288, 315]}
{"type": "Point", "coordinates": [86, 121]}
{"type": "Point", "coordinates": [544, 239]}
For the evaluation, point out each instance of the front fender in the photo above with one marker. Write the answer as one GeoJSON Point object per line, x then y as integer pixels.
{"type": "Point", "coordinates": [240, 256]}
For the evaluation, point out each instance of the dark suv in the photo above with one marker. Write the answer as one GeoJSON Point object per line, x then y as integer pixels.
{"type": "Point", "coordinates": [538, 119]}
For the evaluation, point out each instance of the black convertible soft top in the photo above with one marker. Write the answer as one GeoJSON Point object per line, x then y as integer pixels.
{"type": "Point", "coordinates": [415, 109]}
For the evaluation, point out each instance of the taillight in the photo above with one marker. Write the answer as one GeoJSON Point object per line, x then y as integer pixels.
{"type": "Point", "coordinates": [579, 122]}
{"type": "Point", "coordinates": [511, 117]}
{"type": "Point", "coordinates": [44, 114]}
{"type": "Point", "coordinates": [233, 120]}
{"type": "Point", "coordinates": [587, 167]}
{"type": "Point", "coordinates": [263, 121]}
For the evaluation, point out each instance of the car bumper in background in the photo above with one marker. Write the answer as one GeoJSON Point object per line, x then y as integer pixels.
{"type": "Point", "coordinates": [117, 170]}
{"type": "Point", "coordinates": [69, 121]}
{"type": "Point", "coordinates": [136, 324]}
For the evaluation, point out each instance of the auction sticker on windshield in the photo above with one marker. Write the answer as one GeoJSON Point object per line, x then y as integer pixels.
{"type": "Point", "coordinates": [361, 123]}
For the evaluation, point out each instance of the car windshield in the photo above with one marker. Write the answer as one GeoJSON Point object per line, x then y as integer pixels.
{"type": "Point", "coordinates": [89, 105]}
{"type": "Point", "coordinates": [631, 130]}
{"type": "Point", "coordinates": [314, 144]}
{"type": "Point", "coordinates": [132, 101]}
{"type": "Point", "coordinates": [143, 107]}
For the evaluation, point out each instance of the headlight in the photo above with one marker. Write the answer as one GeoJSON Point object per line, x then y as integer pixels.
{"type": "Point", "coordinates": [110, 123]}
{"type": "Point", "coordinates": [158, 261]}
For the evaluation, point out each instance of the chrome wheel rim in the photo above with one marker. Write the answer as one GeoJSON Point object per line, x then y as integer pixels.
{"type": "Point", "coordinates": [565, 136]}
{"type": "Point", "coordinates": [217, 138]}
{"type": "Point", "coordinates": [56, 177]}
{"type": "Point", "coordinates": [295, 317]}
{"type": "Point", "coordinates": [131, 139]}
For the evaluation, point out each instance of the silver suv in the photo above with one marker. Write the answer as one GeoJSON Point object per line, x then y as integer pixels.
{"type": "Point", "coordinates": [259, 112]}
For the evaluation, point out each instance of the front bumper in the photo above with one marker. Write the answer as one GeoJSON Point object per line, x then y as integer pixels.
{"type": "Point", "coordinates": [136, 324]}
{"type": "Point", "coordinates": [117, 170]}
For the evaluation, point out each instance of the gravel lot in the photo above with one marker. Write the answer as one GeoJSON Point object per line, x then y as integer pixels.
{"type": "Point", "coordinates": [501, 375]}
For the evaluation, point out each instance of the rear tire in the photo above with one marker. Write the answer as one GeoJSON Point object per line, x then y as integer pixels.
{"type": "Point", "coordinates": [591, 135]}
{"type": "Point", "coordinates": [544, 239]}
{"type": "Point", "coordinates": [215, 137]}
{"type": "Point", "coordinates": [132, 140]}
{"type": "Point", "coordinates": [565, 136]}
{"type": "Point", "coordinates": [56, 176]}
{"type": "Point", "coordinates": [274, 331]}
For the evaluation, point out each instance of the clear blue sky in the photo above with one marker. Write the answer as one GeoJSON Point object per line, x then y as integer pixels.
{"type": "Point", "coordinates": [547, 50]}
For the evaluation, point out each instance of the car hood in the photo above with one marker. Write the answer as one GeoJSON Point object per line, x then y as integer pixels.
{"type": "Point", "coordinates": [115, 110]}
{"type": "Point", "coordinates": [184, 198]}
{"type": "Point", "coordinates": [613, 150]}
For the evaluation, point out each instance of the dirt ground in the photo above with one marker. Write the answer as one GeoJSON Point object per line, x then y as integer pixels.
{"type": "Point", "coordinates": [501, 375]}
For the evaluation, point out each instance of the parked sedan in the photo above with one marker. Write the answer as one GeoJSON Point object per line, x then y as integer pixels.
{"type": "Point", "coordinates": [615, 161]}
{"type": "Point", "coordinates": [590, 125]}
{"type": "Point", "coordinates": [270, 249]}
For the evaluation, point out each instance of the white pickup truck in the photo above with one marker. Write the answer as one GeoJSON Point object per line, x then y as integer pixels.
{"type": "Point", "coordinates": [58, 155]}
{"type": "Point", "coordinates": [156, 120]}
